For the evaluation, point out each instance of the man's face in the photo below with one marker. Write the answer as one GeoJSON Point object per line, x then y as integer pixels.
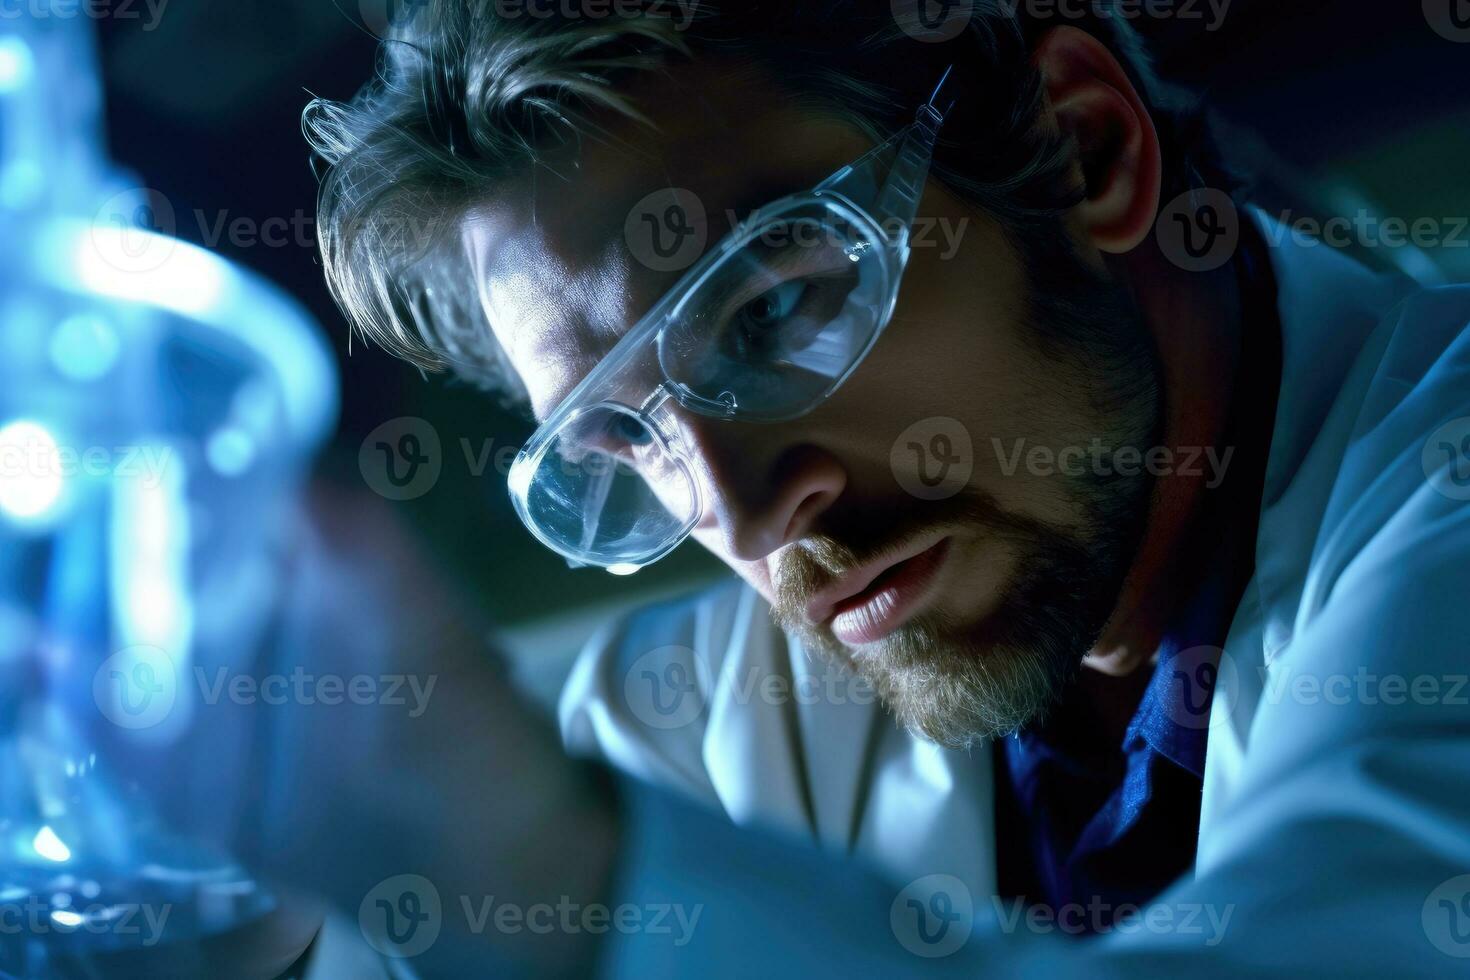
{"type": "Point", "coordinates": [968, 602]}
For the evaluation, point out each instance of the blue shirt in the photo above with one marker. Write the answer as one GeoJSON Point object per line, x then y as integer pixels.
{"type": "Point", "coordinates": [1103, 826]}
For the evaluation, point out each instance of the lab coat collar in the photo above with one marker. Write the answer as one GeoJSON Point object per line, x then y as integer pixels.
{"type": "Point", "coordinates": [1328, 304]}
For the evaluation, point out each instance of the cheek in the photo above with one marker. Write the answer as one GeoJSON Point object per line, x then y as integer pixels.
{"type": "Point", "coordinates": [956, 362]}
{"type": "Point", "coordinates": [757, 573]}
{"type": "Point", "coordinates": [954, 347]}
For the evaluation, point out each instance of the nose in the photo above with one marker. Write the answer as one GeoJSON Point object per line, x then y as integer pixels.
{"type": "Point", "coordinates": [763, 486]}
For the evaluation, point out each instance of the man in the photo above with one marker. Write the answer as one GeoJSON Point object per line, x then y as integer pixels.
{"type": "Point", "coordinates": [1126, 516]}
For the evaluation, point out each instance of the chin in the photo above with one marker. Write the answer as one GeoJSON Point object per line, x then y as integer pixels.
{"type": "Point", "coordinates": [947, 686]}
{"type": "Point", "coordinates": [998, 636]}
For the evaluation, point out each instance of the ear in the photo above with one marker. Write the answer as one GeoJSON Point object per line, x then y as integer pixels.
{"type": "Point", "coordinates": [1092, 99]}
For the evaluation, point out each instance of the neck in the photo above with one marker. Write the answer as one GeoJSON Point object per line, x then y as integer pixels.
{"type": "Point", "coordinates": [1197, 323]}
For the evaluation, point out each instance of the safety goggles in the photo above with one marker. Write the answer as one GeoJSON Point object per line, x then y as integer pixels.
{"type": "Point", "coordinates": [763, 328]}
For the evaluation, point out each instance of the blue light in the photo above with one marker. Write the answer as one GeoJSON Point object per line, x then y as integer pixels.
{"type": "Point", "coordinates": [149, 552]}
{"type": "Point", "coordinates": [51, 847]}
{"type": "Point", "coordinates": [136, 265]}
{"type": "Point", "coordinates": [84, 347]}
{"type": "Point", "coordinates": [21, 183]}
{"type": "Point", "coordinates": [16, 64]}
{"type": "Point", "coordinates": [147, 267]}
{"type": "Point", "coordinates": [230, 451]}
{"type": "Point", "coordinates": [31, 475]}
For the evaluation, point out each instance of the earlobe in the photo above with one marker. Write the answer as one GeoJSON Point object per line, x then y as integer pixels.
{"type": "Point", "coordinates": [1091, 98]}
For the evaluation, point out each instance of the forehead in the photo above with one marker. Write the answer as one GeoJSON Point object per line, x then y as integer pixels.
{"type": "Point", "coordinates": [555, 273]}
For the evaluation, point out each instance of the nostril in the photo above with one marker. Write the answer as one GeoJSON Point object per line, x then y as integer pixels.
{"type": "Point", "coordinates": [805, 514]}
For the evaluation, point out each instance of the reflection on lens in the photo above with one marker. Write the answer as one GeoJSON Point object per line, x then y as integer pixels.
{"type": "Point", "coordinates": [782, 320]}
{"type": "Point", "coordinates": [606, 489]}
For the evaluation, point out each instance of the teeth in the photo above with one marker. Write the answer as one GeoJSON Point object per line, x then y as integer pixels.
{"type": "Point", "coordinates": [869, 616]}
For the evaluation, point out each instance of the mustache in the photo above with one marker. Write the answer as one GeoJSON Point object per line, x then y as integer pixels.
{"type": "Point", "coordinates": [820, 559]}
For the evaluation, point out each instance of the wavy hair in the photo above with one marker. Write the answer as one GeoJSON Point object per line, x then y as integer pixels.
{"type": "Point", "coordinates": [468, 90]}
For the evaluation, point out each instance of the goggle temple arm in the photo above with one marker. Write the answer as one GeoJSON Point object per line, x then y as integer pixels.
{"type": "Point", "coordinates": [898, 202]}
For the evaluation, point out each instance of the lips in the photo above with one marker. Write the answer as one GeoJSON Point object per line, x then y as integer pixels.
{"type": "Point", "coordinates": [873, 601]}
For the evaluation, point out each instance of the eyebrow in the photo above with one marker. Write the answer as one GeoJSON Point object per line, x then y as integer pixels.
{"type": "Point", "coordinates": [574, 364]}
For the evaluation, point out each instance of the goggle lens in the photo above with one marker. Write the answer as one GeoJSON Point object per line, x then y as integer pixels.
{"type": "Point", "coordinates": [781, 320]}
{"type": "Point", "coordinates": [608, 488]}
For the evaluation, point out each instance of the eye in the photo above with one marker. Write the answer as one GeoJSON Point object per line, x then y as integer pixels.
{"type": "Point", "coordinates": [760, 319]}
{"type": "Point", "coordinates": [629, 430]}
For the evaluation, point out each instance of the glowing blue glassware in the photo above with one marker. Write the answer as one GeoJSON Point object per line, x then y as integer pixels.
{"type": "Point", "coordinates": [158, 407]}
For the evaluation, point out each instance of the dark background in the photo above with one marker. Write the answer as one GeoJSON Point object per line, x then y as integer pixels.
{"type": "Point", "coordinates": [1342, 102]}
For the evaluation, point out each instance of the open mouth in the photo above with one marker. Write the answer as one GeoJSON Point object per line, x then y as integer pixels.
{"type": "Point", "coordinates": [891, 599]}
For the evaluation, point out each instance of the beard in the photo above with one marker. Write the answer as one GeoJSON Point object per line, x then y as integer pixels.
{"type": "Point", "coordinates": [954, 683]}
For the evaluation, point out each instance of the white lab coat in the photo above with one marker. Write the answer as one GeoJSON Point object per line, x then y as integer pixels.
{"type": "Point", "coordinates": [1336, 810]}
